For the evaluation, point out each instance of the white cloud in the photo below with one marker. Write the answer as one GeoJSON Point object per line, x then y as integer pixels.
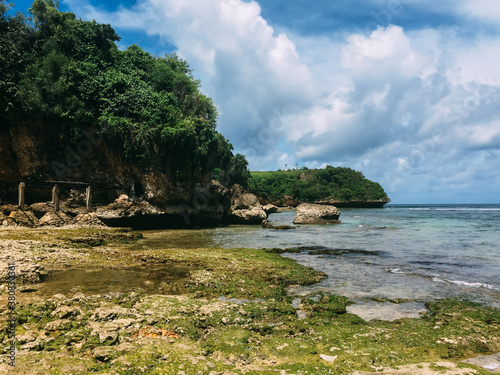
{"type": "Point", "coordinates": [413, 110]}
{"type": "Point", "coordinates": [484, 9]}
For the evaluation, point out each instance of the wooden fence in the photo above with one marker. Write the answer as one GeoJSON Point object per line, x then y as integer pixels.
{"type": "Point", "coordinates": [56, 187]}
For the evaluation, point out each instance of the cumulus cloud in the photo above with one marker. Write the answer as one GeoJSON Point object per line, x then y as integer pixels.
{"type": "Point", "coordinates": [254, 74]}
{"type": "Point", "coordinates": [415, 110]}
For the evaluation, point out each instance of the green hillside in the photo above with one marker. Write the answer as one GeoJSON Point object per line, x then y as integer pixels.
{"type": "Point", "coordinates": [312, 185]}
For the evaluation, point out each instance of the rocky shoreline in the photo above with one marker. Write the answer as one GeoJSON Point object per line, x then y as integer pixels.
{"type": "Point", "coordinates": [228, 312]}
{"type": "Point", "coordinates": [239, 207]}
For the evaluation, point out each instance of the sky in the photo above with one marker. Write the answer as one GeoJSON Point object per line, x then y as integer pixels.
{"type": "Point", "coordinates": [406, 91]}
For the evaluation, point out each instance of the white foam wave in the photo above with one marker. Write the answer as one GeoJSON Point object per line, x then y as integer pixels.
{"type": "Point", "coordinates": [471, 285]}
{"type": "Point", "coordinates": [454, 209]}
{"type": "Point", "coordinates": [438, 280]}
{"type": "Point", "coordinates": [463, 283]}
{"type": "Point", "coordinates": [395, 270]}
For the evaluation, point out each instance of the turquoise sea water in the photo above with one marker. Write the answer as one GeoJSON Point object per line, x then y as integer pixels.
{"type": "Point", "coordinates": [401, 251]}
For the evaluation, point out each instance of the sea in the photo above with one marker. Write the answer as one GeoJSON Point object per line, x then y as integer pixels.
{"type": "Point", "coordinates": [416, 252]}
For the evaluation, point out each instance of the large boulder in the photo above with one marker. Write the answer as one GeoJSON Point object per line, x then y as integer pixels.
{"type": "Point", "coordinates": [203, 210]}
{"type": "Point", "coordinates": [267, 225]}
{"type": "Point", "coordinates": [308, 213]}
{"type": "Point", "coordinates": [244, 207]}
{"type": "Point", "coordinates": [125, 207]}
{"type": "Point", "coordinates": [270, 209]}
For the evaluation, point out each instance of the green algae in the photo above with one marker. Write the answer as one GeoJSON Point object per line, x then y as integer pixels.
{"type": "Point", "coordinates": [261, 337]}
{"type": "Point", "coordinates": [196, 332]}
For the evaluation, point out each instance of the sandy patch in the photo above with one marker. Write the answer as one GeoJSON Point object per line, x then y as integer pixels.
{"type": "Point", "coordinates": [438, 368]}
{"type": "Point", "coordinates": [387, 310]}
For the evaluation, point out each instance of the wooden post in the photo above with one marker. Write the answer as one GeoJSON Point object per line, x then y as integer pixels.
{"type": "Point", "coordinates": [55, 198]}
{"type": "Point", "coordinates": [88, 198]}
{"type": "Point", "coordinates": [21, 202]}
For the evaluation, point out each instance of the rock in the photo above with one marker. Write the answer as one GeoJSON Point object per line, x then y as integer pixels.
{"type": "Point", "coordinates": [89, 219]}
{"type": "Point", "coordinates": [22, 218]}
{"type": "Point", "coordinates": [124, 207]}
{"type": "Point", "coordinates": [26, 272]}
{"type": "Point", "coordinates": [252, 215]}
{"type": "Point", "coordinates": [123, 199]}
{"type": "Point", "coordinates": [125, 347]}
{"type": "Point", "coordinates": [301, 314]}
{"type": "Point", "coordinates": [270, 209]}
{"type": "Point", "coordinates": [66, 312]}
{"type": "Point", "coordinates": [244, 207]}
{"type": "Point", "coordinates": [28, 289]}
{"type": "Point", "coordinates": [58, 325]}
{"type": "Point", "coordinates": [6, 209]}
{"type": "Point", "coordinates": [36, 345]}
{"type": "Point", "coordinates": [328, 358]}
{"type": "Point", "coordinates": [267, 225]}
{"type": "Point", "coordinates": [119, 324]}
{"type": "Point", "coordinates": [103, 353]}
{"type": "Point", "coordinates": [28, 336]}
{"type": "Point", "coordinates": [316, 214]}
{"type": "Point", "coordinates": [108, 313]}
{"type": "Point", "coordinates": [55, 219]}
{"type": "Point", "coordinates": [107, 337]}
{"type": "Point", "coordinates": [41, 208]}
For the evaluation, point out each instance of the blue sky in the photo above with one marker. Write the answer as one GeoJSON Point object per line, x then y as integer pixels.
{"type": "Point", "coordinates": [406, 91]}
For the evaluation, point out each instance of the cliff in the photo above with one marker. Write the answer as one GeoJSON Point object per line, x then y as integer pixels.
{"type": "Point", "coordinates": [336, 186]}
{"type": "Point", "coordinates": [125, 192]}
{"type": "Point", "coordinates": [76, 108]}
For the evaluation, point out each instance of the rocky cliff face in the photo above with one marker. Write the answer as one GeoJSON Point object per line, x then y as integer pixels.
{"type": "Point", "coordinates": [156, 194]}
{"type": "Point", "coordinates": [32, 151]}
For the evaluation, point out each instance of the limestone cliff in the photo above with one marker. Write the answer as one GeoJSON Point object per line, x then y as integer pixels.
{"type": "Point", "coordinates": [158, 194]}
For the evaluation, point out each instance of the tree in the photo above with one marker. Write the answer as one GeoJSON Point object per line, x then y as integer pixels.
{"type": "Point", "coordinates": [238, 170]}
{"type": "Point", "coordinates": [66, 71]}
{"type": "Point", "coordinates": [16, 41]}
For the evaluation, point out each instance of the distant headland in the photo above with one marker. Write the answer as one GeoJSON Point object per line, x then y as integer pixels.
{"type": "Point", "coordinates": [337, 186]}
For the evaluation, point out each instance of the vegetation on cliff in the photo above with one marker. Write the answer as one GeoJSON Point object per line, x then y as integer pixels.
{"type": "Point", "coordinates": [58, 69]}
{"type": "Point", "coordinates": [312, 185]}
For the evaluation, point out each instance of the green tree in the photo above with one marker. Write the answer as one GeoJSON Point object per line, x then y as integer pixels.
{"type": "Point", "coordinates": [238, 170]}
{"type": "Point", "coordinates": [16, 42]}
{"type": "Point", "coordinates": [63, 70]}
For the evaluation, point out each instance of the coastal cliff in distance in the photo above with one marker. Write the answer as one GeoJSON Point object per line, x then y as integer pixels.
{"type": "Point", "coordinates": [337, 186]}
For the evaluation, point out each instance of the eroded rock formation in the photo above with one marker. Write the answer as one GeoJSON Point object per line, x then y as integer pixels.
{"type": "Point", "coordinates": [308, 213]}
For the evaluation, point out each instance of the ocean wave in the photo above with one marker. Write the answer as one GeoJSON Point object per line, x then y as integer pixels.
{"type": "Point", "coordinates": [454, 209]}
{"type": "Point", "coordinates": [395, 270]}
{"type": "Point", "coordinates": [466, 284]}
{"type": "Point", "coordinates": [467, 209]}
{"type": "Point", "coordinates": [471, 285]}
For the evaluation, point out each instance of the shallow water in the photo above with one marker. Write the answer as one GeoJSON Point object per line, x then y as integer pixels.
{"type": "Point", "coordinates": [414, 252]}
{"type": "Point", "coordinates": [101, 281]}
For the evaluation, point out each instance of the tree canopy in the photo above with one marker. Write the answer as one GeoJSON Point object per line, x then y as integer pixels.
{"type": "Point", "coordinates": [56, 66]}
{"type": "Point", "coordinates": [331, 183]}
